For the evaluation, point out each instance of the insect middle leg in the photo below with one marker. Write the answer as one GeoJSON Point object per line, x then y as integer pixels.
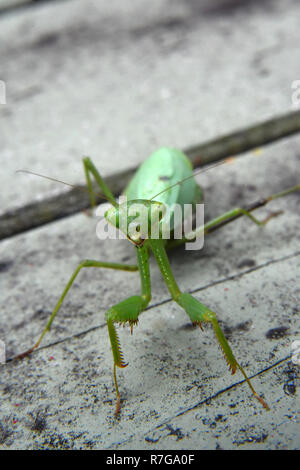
{"type": "Point", "coordinates": [84, 264]}
{"type": "Point", "coordinates": [89, 167]}
{"type": "Point", "coordinates": [232, 215]}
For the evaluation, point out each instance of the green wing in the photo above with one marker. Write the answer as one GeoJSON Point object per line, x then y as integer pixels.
{"type": "Point", "coordinates": [162, 169]}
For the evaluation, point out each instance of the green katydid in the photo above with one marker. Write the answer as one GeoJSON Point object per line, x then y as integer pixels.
{"type": "Point", "coordinates": [166, 177]}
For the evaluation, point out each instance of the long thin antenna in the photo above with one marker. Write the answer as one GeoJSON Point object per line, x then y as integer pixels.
{"type": "Point", "coordinates": [226, 160]}
{"type": "Point", "coordinates": [81, 188]}
{"type": "Point", "coordinates": [29, 172]}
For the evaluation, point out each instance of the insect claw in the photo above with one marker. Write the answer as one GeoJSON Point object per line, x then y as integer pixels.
{"type": "Point", "coordinates": [264, 404]}
{"type": "Point", "coordinates": [117, 407]}
{"type": "Point", "coordinates": [231, 368]}
{"type": "Point", "coordinates": [123, 364]}
{"type": "Point", "coordinates": [271, 215]}
{"type": "Point", "coordinates": [24, 354]}
{"type": "Point", "coordinates": [27, 353]}
{"type": "Point", "coordinates": [198, 323]}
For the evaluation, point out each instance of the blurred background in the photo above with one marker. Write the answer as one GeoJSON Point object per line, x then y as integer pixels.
{"type": "Point", "coordinates": [117, 80]}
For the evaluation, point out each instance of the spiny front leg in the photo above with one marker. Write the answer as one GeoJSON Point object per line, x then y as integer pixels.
{"type": "Point", "coordinates": [123, 312]}
{"type": "Point", "coordinates": [198, 313]}
{"type": "Point", "coordinates": [128, 311]}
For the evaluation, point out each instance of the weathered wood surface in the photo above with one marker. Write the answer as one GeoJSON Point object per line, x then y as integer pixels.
{"type": "Point", "coordinates": [117, 82]}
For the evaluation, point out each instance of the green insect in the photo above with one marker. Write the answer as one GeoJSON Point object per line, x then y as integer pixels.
{"type": "Point", "coordinates": [164, 179]}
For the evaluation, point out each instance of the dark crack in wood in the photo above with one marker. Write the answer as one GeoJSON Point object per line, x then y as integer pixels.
{"type": "Point", "coordinates": [67, 203]}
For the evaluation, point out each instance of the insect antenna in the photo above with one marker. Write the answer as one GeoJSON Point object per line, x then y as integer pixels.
{"type": "Point", "coordinates": [226, 160]}
{"type": "Point", "coordinates": [78, 188]}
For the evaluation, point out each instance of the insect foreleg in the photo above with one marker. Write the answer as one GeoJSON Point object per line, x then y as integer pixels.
{"type": "Point", "coordinates": [128, 311]}
{"type": "Point", "coordinates": [197, 311]}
